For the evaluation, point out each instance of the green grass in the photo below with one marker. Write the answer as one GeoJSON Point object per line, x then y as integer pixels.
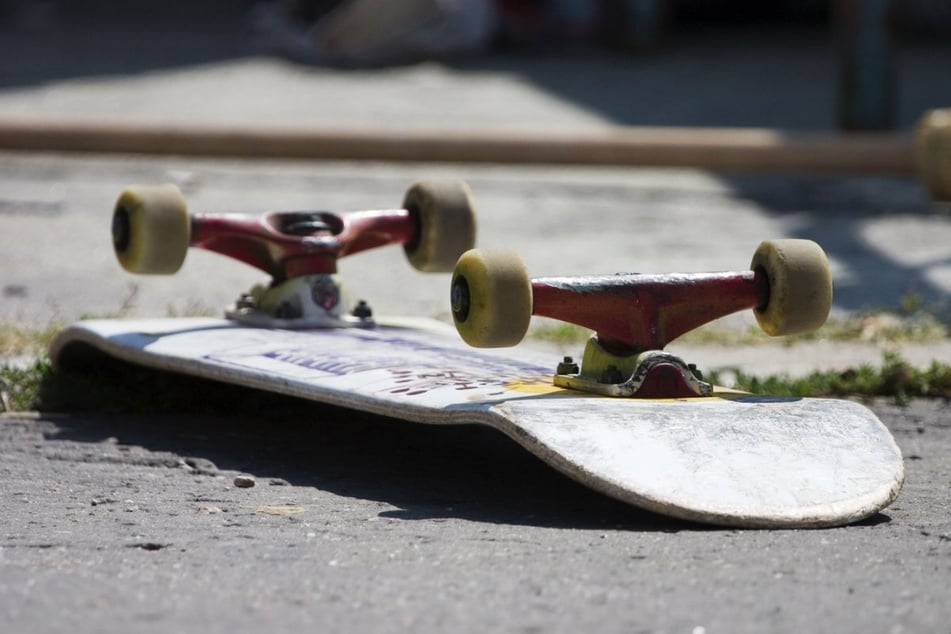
{"type": "Point", "coordinates": [17, 340]}
{"type": "Point", "coordinates": [38, 385]}
{"type": "Point", "coordinates": [20, 386]}
{"type": "Point", "coordinates": [895, 379]}
{"type": "Point", "coordinates": [110, 386]}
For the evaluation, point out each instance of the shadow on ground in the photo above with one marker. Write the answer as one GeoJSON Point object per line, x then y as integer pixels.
{"type": "Point", "coordinates": [71, 45]}
{"type": "Point", "coordinates": [425, 471]}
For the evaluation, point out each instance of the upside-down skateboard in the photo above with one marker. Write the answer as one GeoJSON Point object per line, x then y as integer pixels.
{"type": "Point", "coordinates": [631, 420]}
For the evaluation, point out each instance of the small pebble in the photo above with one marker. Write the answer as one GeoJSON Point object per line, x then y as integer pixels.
{"type": "Point", "coordinates": [244, 482]}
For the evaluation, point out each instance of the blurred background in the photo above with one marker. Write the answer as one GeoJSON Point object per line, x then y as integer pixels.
{"type": "Point", "coordinates": [812, 64]}
{"type": "Point", "coordinates": [560, 65]}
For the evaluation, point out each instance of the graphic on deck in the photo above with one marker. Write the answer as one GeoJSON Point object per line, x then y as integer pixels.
{"type": "Point", "coordinates": [377, 360]}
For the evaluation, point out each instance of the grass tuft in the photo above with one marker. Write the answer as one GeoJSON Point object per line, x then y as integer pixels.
{"type": "Point", "coordinates": [19, 341]}
{"type": "Point", "coordinates": [896, 379]}
{"type": "Point", "coordinates": [20, 386]}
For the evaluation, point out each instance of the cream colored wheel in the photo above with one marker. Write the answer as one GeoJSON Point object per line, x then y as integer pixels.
{"type": "Point", "coordinates": [800, 286]}
{"type": "Point", "coordinates": [151, 229]}
{"type": "Point", "coordinates": [491, 297]}
{"type": "Point", "coordinates": [933, 153]}
{"type": "Point", "coordinates": [446, 225]}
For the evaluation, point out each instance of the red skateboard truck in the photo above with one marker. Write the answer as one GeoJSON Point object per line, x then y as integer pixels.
{"type": "Point", "coordinates": [152, 231]}
{"type": "Point", "coordinates": [633, 316]}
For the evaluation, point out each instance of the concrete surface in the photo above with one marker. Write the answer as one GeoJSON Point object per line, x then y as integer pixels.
{"type": "Point", "coordinates": [117, 523]}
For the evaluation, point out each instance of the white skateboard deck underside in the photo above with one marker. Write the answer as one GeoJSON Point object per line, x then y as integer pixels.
{"type": "Point", "coordinates": [746, 462]}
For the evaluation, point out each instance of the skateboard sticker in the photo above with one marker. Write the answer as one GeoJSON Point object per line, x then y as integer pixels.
{"type": "Point", "coordinates": [375, 360]}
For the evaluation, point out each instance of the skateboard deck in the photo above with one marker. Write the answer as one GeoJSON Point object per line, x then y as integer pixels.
{"type": "Point", "coordinates": [729, 459]}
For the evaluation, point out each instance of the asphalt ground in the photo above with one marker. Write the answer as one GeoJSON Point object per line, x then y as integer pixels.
{"type": "Point", "coordinates": [119, 523]}
{"type": "Point", "coordinates": [128, 523]}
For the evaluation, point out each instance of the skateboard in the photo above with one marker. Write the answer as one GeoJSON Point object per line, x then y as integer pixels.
{"type": "Point", "coordinates": [631, 420]}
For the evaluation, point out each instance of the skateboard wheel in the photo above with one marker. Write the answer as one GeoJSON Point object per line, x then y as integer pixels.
{"type": "Point", "coordinates": [446, 226]}
{"type": "Point", "coordinates": [151, 229]}
{"type": "Point", "coordinates": [933, 153]}
{"type": "Point", "coordinates": [491, 296]}
{"type": "Point", "coordinates": [800, 286]}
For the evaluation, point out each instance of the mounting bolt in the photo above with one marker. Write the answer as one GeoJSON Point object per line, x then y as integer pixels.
{"type": "Point", "coordinates": [567, 366]}
{"type": "Point", "coordinates": [611, 375]}
{"type": "Point", "coordinates": [246, 302]}
{"type": "Point", "coordinates": [362, 310]}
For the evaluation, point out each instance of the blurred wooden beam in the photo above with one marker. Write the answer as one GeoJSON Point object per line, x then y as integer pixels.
{"type": "Point", "coordinates": [714, 149]}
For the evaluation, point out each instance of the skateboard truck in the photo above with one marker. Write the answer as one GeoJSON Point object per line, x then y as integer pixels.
{"type": "Point", "coordinates": [152, 231]}
{"type": "Point", "coordinates": [788, 286]}
{"type": "Point", "coordinates": [318, 300]}
{"type": "Point", "coordinates": [651, 374]}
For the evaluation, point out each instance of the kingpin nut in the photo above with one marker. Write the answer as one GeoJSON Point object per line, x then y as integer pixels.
{"type": "Point", "coordinates": [567, 366]}
{"type": "Point", "coordinates": [362, 310]}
